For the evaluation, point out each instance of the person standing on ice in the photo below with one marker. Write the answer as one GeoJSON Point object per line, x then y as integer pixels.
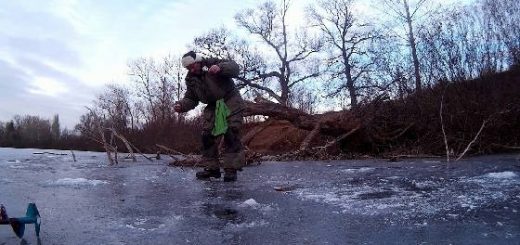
{"type": "Point", "coordinates": [209, 80]}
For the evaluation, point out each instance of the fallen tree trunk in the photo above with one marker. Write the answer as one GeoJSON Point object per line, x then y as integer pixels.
{"type": "Point", "coordinates": [340, 125]}
{"type": "Point", "coordinates": [330, 123]}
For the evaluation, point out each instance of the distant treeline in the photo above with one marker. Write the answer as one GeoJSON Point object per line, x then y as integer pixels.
{"type": "Point", "coordinates": [35, 132]}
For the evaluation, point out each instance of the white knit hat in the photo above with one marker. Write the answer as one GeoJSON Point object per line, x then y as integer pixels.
{"type": "Point", "coordinates": [190, 58]}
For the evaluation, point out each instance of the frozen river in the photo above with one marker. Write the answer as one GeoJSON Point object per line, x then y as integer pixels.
{"type": "Point", "coordinates": [419, 201]}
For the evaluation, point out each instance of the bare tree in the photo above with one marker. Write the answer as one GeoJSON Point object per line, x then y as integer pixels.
{"type": "Point", "coordinates": [33, 130]}
{"type": "Point", "coordinates": [158, 85]}
{"type": "Point", "coordinates": [98, 129]}
{"type": "Point", "coordinates": [221, 43]}
{"type": "Point", "coordinates": [114, 105]}
{"type": "Point", "coordinates": [408, 12]}
{"type": "Point", "coordinates": [55, 128]}
{"type": "Point", "coordinates": [504, 15]}
{"type": "Point", "coordinates": [305, 99]}
{"type": "Point", "coordinates": [390, 73]}
{"type": "Point", "coordinates": [269, 23]}
{"type": "Point", "coordinates": [174, 75]}
{"type": "Point", "coordinates": [347, 39]}
{"type": "Point", "coordinates": [467, 42]}
{"type": "Point", "coordinates": [170, 75]}
{"type": "Point", "coordinates": [217, 43]}
{"type": "Point", "coordinates": [141, 72]}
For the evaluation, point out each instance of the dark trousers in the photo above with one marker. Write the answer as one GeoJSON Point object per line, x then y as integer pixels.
{"type": "Point", "coordinates": [233, 155]}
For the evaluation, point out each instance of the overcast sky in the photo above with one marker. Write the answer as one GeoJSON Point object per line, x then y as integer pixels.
{"type": "Point", "coordinates": [57, 55]}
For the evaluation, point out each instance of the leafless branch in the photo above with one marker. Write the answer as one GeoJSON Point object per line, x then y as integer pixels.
{"type": "Point", "coordinates": [473, 141]}
{"type": "Point", "coordinates": [444, 132]}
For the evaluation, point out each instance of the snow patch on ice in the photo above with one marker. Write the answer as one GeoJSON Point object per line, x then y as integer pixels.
{"type": "Point", "coordinates": [406, 199]}
{"type": "Point", "coordinates": [88, 165]}
{"type": "Point", "coordinates": [357, 170]}
{"type": "Point", "coordinates": [251, 224]}
{"type": "Point", "coordinates": [152, 179]}
{"type": "Point", "coordinates": [383, 206]}
{"type": "Point", "coordinates": [502, 175]}
{"type": "Point", "coordinates": [249, 203]}
{"type": "Point", "coordinates": [78, 182]}
{"type": "Point", "coordinates": [266, 209]}
{"type": "Point", "coordinates": [427, 184]}
{"type": "Point", "coordinates": [394, 177]}
{"type": "Point", "coordinates": [140, 221]}
{"type": "Point", "coordinates": [431, 161]}
{"type": "Point", "coordinates": [152, 223]}
{"type": "Point", "coordinates": [6, 181]}
{"type": "Point", "coordinates": [348, 199]}
{"type": "Point", "coordinates": [252, 203]}
{"type": "Point", "coordinates": [133, 227]}
{"type": "Point", "coordinates": [487, 188]}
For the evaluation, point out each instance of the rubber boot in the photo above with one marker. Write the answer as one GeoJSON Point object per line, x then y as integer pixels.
{"type": "Point", "coordinates": [207, 173]}
{"type": "Point", "coordinates": [230, 175]}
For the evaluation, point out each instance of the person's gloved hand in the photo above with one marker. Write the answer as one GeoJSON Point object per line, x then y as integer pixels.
{"type": "Point", "coordinates": [177, 107]}
{"type": "Point", "coordinates": [214, 69]}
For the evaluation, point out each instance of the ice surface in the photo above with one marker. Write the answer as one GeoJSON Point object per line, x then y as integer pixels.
{"type": "Point", "coordinates": [140, 202]}
{"type": "Point", "coordinates": [78, 182]}
{"type": "Point", "coordinates": [502, 175]}
{"type": "Point", "coordinates": [6, 181]}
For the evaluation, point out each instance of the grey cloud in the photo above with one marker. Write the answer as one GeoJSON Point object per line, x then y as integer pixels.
{"type": "Point", "coordinates": [13, 82]}
{"type": "Point", "coordinates": [14, 99]}
{"type": "Point", "coordinates": [32, 40]}
{"type": "Point", "coordinates": [79, 92]}
{"type": "Point", "coordinates": [40, 35]}
{"type": "Point", "coordinates": [12, 79]}
{"type": "Point", "coordinates": [42, 106]}
{"type": "Point", "coordinates": [41, 69]}
{"type": "Point", "coordinates": [38, 23]}
{"type": "Point", "coordinates": [49, 49]}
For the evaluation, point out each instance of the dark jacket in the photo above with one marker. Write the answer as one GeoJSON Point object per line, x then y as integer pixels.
{"type": "Point", "coordinates": [208, 88]}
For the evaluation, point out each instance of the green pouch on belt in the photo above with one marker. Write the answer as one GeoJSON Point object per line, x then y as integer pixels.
{"type": "Point", "coordinates": [221, 114]}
